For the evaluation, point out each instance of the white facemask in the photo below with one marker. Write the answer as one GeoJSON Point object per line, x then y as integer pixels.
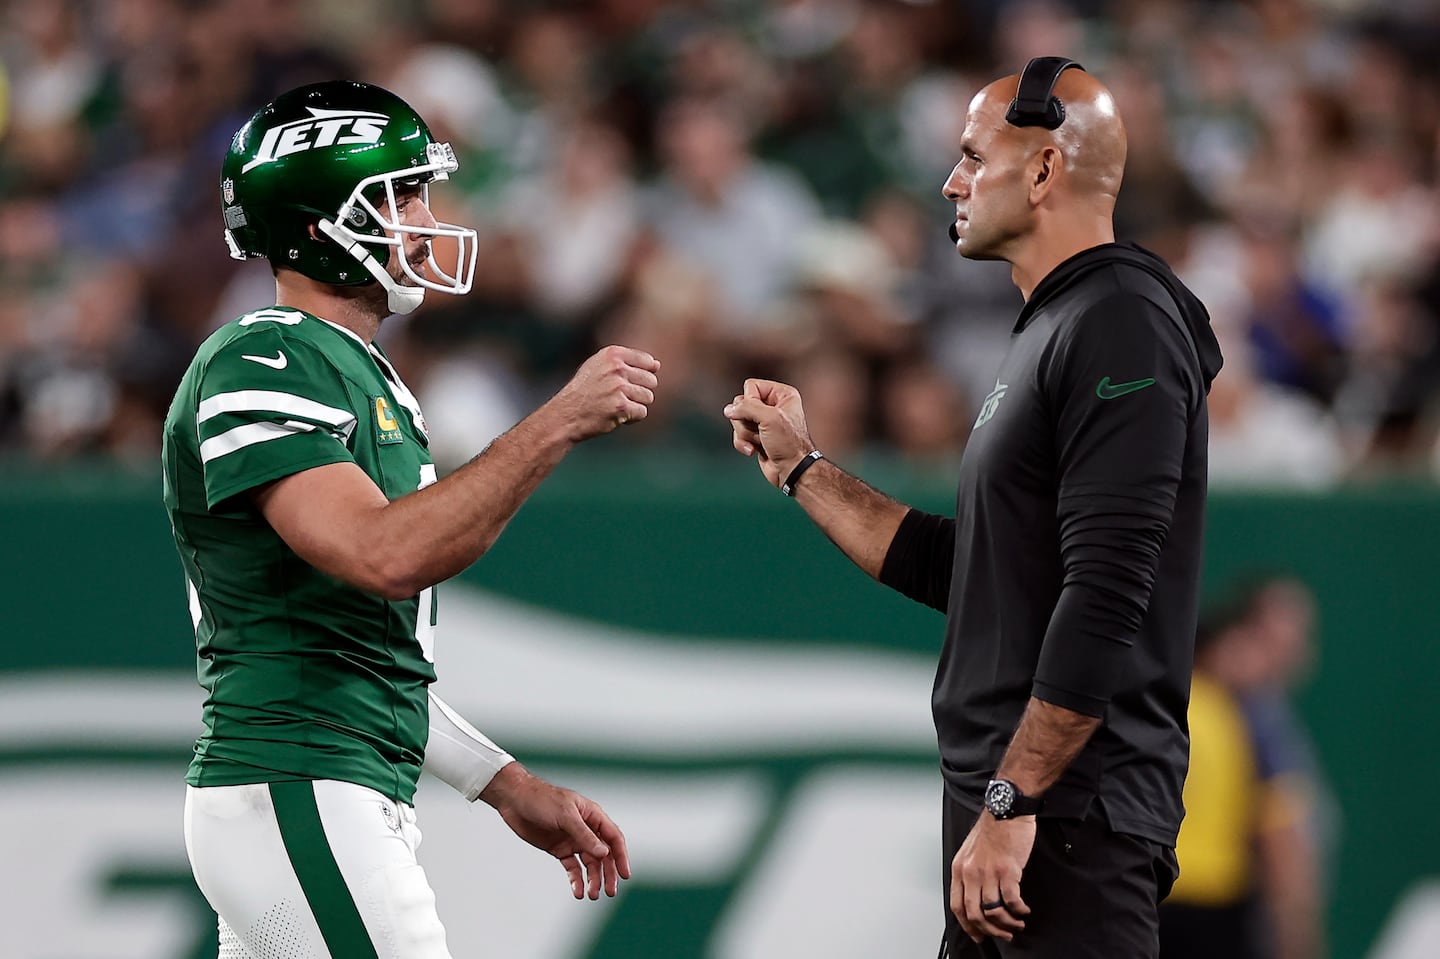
{"type": "Point", "coordinates": [403, 298]}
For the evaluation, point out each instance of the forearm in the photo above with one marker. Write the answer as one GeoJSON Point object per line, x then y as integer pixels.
{"type": "Point", "coordinates": [508, 786]}
{"type": "Point", "coordinates": [1047, 740]}
{"type": "Point", "coordinates": [434, 533]}
{"type": "Point", "coordinates": [1290, 875]}
{"type": "Point", "coordinates": [458, 754]}
{"type": "Point", "coordinates": [856, 517]}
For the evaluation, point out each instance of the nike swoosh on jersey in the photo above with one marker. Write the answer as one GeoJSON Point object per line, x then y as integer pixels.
{"type": "Point", "coordinates": [278, 362]}
{"type": "Point", "coordinates": [1109, 391]}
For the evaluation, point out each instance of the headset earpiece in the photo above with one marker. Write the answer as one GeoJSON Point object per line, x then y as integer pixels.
{"type": "Point", "coordinates": [1035, 103]}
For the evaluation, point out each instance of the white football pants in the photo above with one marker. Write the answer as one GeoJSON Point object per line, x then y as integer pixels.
{"type": "Point", "coordinates": [312, 870]}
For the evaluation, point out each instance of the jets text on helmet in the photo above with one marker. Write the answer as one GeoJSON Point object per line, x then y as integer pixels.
{"type": "Point", "coordinates": [328, 128]}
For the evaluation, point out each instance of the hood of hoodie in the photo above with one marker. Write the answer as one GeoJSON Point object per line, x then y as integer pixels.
{"type": "Point", "coordinates": [1192, 311]}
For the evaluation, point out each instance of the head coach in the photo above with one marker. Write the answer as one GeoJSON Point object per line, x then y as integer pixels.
{"type": "Point", "coordinates": [1069, 575]}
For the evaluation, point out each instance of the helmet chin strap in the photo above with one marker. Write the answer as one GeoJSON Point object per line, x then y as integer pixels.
{"type": "Point", "coordinates": [400, 299]}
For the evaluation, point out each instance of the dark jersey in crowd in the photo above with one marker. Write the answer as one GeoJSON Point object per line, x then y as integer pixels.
{"type": "Point", "coordinates": [1071, 571]}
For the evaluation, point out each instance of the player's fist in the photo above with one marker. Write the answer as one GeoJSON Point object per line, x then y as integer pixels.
{"type": "Point", "coordinates": [614, 387]}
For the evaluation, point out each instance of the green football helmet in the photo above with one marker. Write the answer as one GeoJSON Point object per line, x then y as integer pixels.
{"type": "Point", "coordinates": [329, 156]}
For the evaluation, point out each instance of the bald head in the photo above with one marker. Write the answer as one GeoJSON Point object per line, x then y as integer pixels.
{"type": "Point", "coordinates": [1034, 196]}
{"type": "Point", "coordinates": [1092, 138]}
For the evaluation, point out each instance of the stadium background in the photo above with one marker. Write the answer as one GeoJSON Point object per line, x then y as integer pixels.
{"type": "Point", "coordinates": [740, 187]}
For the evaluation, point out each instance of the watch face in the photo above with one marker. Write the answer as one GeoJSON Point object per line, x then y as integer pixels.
{"type": "Point", "coordinates": [999, 797]}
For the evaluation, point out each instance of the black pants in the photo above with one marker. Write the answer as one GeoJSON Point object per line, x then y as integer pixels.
{"type": "Point", "coordinates": [1200, 932]}
{"type": "Point", "coordinates": [1092, 893]}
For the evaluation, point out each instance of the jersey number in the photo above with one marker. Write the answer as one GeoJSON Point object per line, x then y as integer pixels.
{"type": "Point", "coordinates": [283, 317]}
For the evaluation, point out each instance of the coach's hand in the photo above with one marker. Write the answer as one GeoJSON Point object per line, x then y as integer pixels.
{"type": "Point", "coordinates": [769, 424]}
{"type": "Point", "coordinates": [565, 824]}
{"type": "Point", "coordinates": [614, 387]}
{"type": "Point", "coordinates": [986, 872]}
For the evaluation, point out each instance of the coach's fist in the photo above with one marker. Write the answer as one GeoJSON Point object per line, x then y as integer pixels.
{"type": "Point", "coordinates": [768, 421]}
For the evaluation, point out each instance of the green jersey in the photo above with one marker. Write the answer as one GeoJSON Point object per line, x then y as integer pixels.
{"type": "Point", "coordinates": [307, 677]}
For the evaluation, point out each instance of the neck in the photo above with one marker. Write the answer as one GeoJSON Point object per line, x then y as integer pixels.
{"type": "Point", "coordinates": [356, 313]}
{"type": "Point", "coordinates": [1046, 249]}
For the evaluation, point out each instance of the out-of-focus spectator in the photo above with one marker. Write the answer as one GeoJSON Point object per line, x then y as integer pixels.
{"type": "Point", "coordinates": [1385, 400]}
{"type": "Point", "coordinates": [1290, 39]}
{"type": "Point", "coordinates": [54, 75]}
{"type": "Point", "coordinates": [278, 40]}
{"type": "Point", "coordinates": [837, 399]}
{"type": "Point", "coordinates": [131, 204]}
{"type": "Point", "coordinates": [847, 285]}
{"type": "Point", "coordinates": [1218, 124]}
{"type": "Point", "coordinates": [1037, 28]}
{"type": "Point", "coordinates": [1375, 222]}
{"type": "Point", "coordinates": [553, 79]}
{"type": "Point", "coordinates": [669, 308]}
{"type": "Point", "coordinates": [1265, 435]}
{"type": "Point", "coordinates": [926, 417]}
{"type": "Point", "coordinates": [576, 221]}
{"type": "Point", "coordinates": [730, 214]}
{"type": "Point", "coordinates": [459, 93]}
{"type": "Point", "coordinates": [91, 370]}
{"type": "Point", "coordinates": [1214, 908]}
{"type": "Point", "coordinates": [801, 29]}
{"type": "Point", "coordinates": [1294, 169]}
{"type": "Point", "coordinates": [716, 63]}
{"type": "Point", "coordinates": [1158, 202]}
{"type": "Point", "coordinates": [1278, 610]}
{"type": "Point", "coordinates": [1253, 848]}
{"type": "Point", "coordinates": [555, 255]}
{"type": "Point", "coordinates": [56, 71]}
{"type": "Point", "coordinates": [1296, 329]}
{"type": "Point", "coordinates": [908, 113]}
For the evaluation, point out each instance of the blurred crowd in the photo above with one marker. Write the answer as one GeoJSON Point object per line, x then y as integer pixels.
{"type": "Point", "coordinates": [741, 187]}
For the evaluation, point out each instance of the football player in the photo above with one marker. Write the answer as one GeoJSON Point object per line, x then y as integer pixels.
{"type": "Point", "coordinates": [312, 530]}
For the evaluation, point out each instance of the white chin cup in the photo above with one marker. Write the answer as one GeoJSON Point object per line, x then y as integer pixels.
{"type": "Point", "coordinates": [402, 299]}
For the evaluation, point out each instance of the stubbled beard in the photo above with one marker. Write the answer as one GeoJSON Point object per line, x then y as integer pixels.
{"type": "Point", "coordinates": [374, 298]}
{"type": "Point", "coordinates": [370, 297]}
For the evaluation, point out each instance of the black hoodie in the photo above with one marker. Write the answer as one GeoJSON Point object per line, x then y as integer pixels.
{"type": "Point", "coordinates": [1072, 569]}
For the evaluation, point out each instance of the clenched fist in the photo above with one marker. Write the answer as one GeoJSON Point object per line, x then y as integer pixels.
{"type": "Point", "coordinates": [768, 420]}
{"type": "Point", "coordinates": [614, 387]}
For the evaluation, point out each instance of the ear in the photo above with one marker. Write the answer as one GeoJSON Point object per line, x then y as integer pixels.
{"type": "Point", "coordinates": [1045, 170]}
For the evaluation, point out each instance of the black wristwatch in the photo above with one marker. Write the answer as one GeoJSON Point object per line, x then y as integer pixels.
{"type": "Point", "coordinates": [1005, 800]}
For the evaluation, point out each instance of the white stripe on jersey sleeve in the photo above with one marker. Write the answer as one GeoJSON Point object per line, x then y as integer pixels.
{"type": "Point", "coordinates": [248, 435]}
{"type": "Point", "coordinates": [274, 401]}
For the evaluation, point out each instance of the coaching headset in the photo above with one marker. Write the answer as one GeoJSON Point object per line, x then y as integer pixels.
{"type": "Point", "coordinates": [1035, 103]}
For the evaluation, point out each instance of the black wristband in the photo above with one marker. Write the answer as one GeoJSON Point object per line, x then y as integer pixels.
{"type": "Point", "coordinates": [807, 461]}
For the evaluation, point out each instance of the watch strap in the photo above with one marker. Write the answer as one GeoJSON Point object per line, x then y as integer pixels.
{"type": "Point", "coordinates": [1018, 803]}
